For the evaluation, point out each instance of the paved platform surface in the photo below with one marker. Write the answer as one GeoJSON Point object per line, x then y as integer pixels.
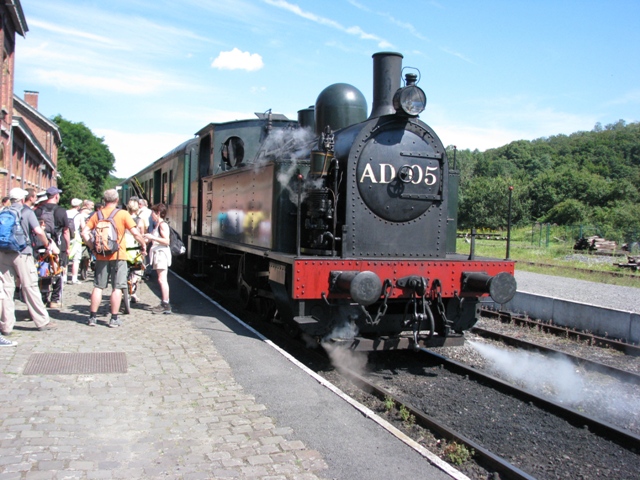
{"type": "Point", "coordinates": [202, 397]}
{"type": "Point", "coordinates": [599, 294]}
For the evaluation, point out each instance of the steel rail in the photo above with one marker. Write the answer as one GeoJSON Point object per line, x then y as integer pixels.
{"type": "Point", "coordinates": [486, 457]}
{"type": "Point", "coordinates": [510, 317]}
{"type": "Point", "coordinates": [624, 438]}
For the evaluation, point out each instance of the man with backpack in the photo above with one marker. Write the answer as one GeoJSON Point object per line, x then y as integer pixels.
{"type": "Point", "coordinates": [16, 261]}
{"type": "Point", "coordinates": [104, 233]}
{"type": "Point", "coordinates": [57, 227]}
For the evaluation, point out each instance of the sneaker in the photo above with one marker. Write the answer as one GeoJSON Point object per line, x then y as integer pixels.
{"type": "Point", "coordinates": [74, 282]}
{"type": "Point", "coordinates": [55, 305]}
{"type": "Point", "coordinates": [114, 323]}
{"type": "Point", "coordinates": [164, 308]}
{"type": "Point", "coordinates": [7, 343]}
{"type": "Point", "coordinates": [92, 321]}
{"type": "Point", "coordinates": [49, 326]}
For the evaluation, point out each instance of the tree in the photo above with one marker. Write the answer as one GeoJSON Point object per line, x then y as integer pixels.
{"type": "Point", "coordinates": [567, 212]}
{"type": "Point", "coordinates": [485, 203]}
{"type": "Point", "coordinates": [72, 183]}
{"type": "Point", "coordinates": [85, 155]}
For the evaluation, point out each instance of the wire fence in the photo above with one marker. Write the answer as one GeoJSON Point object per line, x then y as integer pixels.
{"type": "Point", "coordinates": [545, 234]}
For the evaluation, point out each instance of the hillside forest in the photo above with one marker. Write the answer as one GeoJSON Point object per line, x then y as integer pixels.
{"type": "Point", "coordinates": [586, 178]}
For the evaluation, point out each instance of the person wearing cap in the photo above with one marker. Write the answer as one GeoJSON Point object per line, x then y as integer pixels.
{"type": "Point", "coordinates": [60, 235]}
{"type": "Point", "coordinates": [21, 265]}
{"type": "Point", "coordinates": [40, 197]}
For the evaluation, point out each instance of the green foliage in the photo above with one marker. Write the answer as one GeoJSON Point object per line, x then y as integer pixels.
{"type": "Point", "coordinates": [567, 212]}
{"type": "Point", "coordinates": [457, 454]}
{"type": "Point", "coordinates": [406, 416]}
{"type": "Point", "coordinates": [72, 183]}
{"type": "Point", "coordinates": [389, 403]}
{"type": "Point", "coordinates": [85, 155]}
{"type": "Point", "coordinates": [586, 177]}
{"type": "Point", "coordinates": [485, 203]}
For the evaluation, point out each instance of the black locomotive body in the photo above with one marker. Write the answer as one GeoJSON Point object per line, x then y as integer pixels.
{"type": "Point", "coordinates": [343, 226]}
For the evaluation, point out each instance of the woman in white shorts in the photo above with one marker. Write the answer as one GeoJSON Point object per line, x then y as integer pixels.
{"type": "Point", "coordinates": [160, 254]}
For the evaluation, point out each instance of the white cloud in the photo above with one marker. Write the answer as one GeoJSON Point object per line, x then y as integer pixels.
{"type": "Point", "coordinates": [495, 122]}
{"type": "Point", "coordinates": [135, 151]}
{"type": "Point", "coordinates": [238, 60]}
{"type": "Point", "coordinates": [72, 32]}
{"type": "Point", "coordinates": [132, 85]}
{"type": "Point", "coordinates": [355, 30]}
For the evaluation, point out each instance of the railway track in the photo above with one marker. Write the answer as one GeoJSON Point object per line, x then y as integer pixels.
{"type": "Point", "coordinates": [565, 332]}
{"type": "Point", "coordinates": [587, 364]}
{"type": "Point", "coordinates": [378, 391]}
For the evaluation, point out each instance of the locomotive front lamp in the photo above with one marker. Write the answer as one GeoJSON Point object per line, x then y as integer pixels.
{"type": "Point", "coordinates": [410, 100]}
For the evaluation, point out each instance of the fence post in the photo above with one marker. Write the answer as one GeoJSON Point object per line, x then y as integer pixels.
{"type": "Point", "coordinates": [548, 234]}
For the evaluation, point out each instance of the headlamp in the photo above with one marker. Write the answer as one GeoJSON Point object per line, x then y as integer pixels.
{"type": "Point", "coordinates": [410, 100]}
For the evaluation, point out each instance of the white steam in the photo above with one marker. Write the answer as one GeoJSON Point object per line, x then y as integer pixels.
{"type": "Point", "coordinates": [555, 376]}
{"type": "Point", "coordinates": [341, 356]}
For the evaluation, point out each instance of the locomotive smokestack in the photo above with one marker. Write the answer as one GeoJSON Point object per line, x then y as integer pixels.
{"type": "Point", "coordinates": [387, 72]}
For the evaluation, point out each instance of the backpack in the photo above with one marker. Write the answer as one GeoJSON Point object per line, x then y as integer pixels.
{"type": "Point", "coordinates": [105, 234]}
{"type": "Point", "coordinates": [46, 215]}
{"type": "Point", "coordinates": [175, 242]}
{"type": "Point", "coordinates": [72, 226]}
{"type": "Point", "coordinates": [12, 236]}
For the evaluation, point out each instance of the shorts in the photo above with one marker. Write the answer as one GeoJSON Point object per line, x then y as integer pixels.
{"type": "Point", "coordinates": [160, 260]}
{"type": "Point", "coordinates": [114, 270]}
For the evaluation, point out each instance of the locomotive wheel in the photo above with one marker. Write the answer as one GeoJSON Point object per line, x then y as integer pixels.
{"type": "Point", "coordinates": [266, 308]}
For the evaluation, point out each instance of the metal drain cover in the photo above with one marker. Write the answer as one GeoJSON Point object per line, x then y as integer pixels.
{"type": "Point", "coordinates": [76, 363]}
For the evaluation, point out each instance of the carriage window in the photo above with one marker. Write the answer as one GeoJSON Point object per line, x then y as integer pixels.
{"type": "Point", "coordinates": [171, 179]}
{"type": "Point", "coordinates": [165, 188]}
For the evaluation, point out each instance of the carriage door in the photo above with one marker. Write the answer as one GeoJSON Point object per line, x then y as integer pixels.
{"type": "Point", "coordinates": [207, 225]}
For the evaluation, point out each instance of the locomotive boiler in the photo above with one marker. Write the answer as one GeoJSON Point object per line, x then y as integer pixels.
{"type": "Point", "coordinates": [341, 224]}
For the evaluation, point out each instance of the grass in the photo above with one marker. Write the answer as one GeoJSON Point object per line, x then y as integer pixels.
{"type": "Point", "coordinates": [558, 258]}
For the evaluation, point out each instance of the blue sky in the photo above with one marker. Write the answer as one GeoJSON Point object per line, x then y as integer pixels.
{"type": "Point", "coordinates": [147, 74]}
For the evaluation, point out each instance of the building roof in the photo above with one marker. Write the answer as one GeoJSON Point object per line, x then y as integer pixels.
{"type": "Point", "coordinates": [17, 16]}
{"type": "Point", "coordinates": [54, 127]}
{"type": "Point", "coordinates": [20, 125]}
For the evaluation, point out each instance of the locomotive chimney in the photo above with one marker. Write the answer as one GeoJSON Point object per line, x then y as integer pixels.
{"type": "Point", "coordinates": [387, 72]}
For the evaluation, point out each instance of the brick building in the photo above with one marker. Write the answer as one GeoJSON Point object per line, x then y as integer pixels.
{"type": "Point", "coordinates": [28, 140]}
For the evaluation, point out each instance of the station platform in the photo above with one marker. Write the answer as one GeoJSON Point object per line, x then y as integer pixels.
{"type": "Point", "coordinates": [607, 310]}
{"type": "Point", "coordinates": [192, 395]}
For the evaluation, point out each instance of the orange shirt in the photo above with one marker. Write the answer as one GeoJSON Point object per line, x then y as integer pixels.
{"type": "Point", "coordinates": [123, 223]}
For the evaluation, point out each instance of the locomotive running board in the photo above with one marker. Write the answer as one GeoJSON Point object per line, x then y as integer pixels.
{"type": "Point", "coordinates": [403, 342]}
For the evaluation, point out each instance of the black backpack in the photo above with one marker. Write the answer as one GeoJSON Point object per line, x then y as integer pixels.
{"type": "Point", "coordinates": [46, 215]}
{"type": "Point", "coordinates": [71, 221]}
{"type": "Point", "coordinates": [175, 242]}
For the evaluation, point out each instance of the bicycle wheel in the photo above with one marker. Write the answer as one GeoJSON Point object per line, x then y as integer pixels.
{"type": "Point", "coordinates": [126, 300]}
{"type": "Point", "coordinates": [83, 271]}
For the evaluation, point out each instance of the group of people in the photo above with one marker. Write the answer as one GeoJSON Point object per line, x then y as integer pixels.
{"type": "Point", "coordinates": [46, 225]}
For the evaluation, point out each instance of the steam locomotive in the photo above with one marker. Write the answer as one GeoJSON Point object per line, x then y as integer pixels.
{"type": "Point", "coordinates": [340, 224]}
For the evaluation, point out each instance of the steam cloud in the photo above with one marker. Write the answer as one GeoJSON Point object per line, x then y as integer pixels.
{"type": "Point", "coordinates": [556, 377]}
